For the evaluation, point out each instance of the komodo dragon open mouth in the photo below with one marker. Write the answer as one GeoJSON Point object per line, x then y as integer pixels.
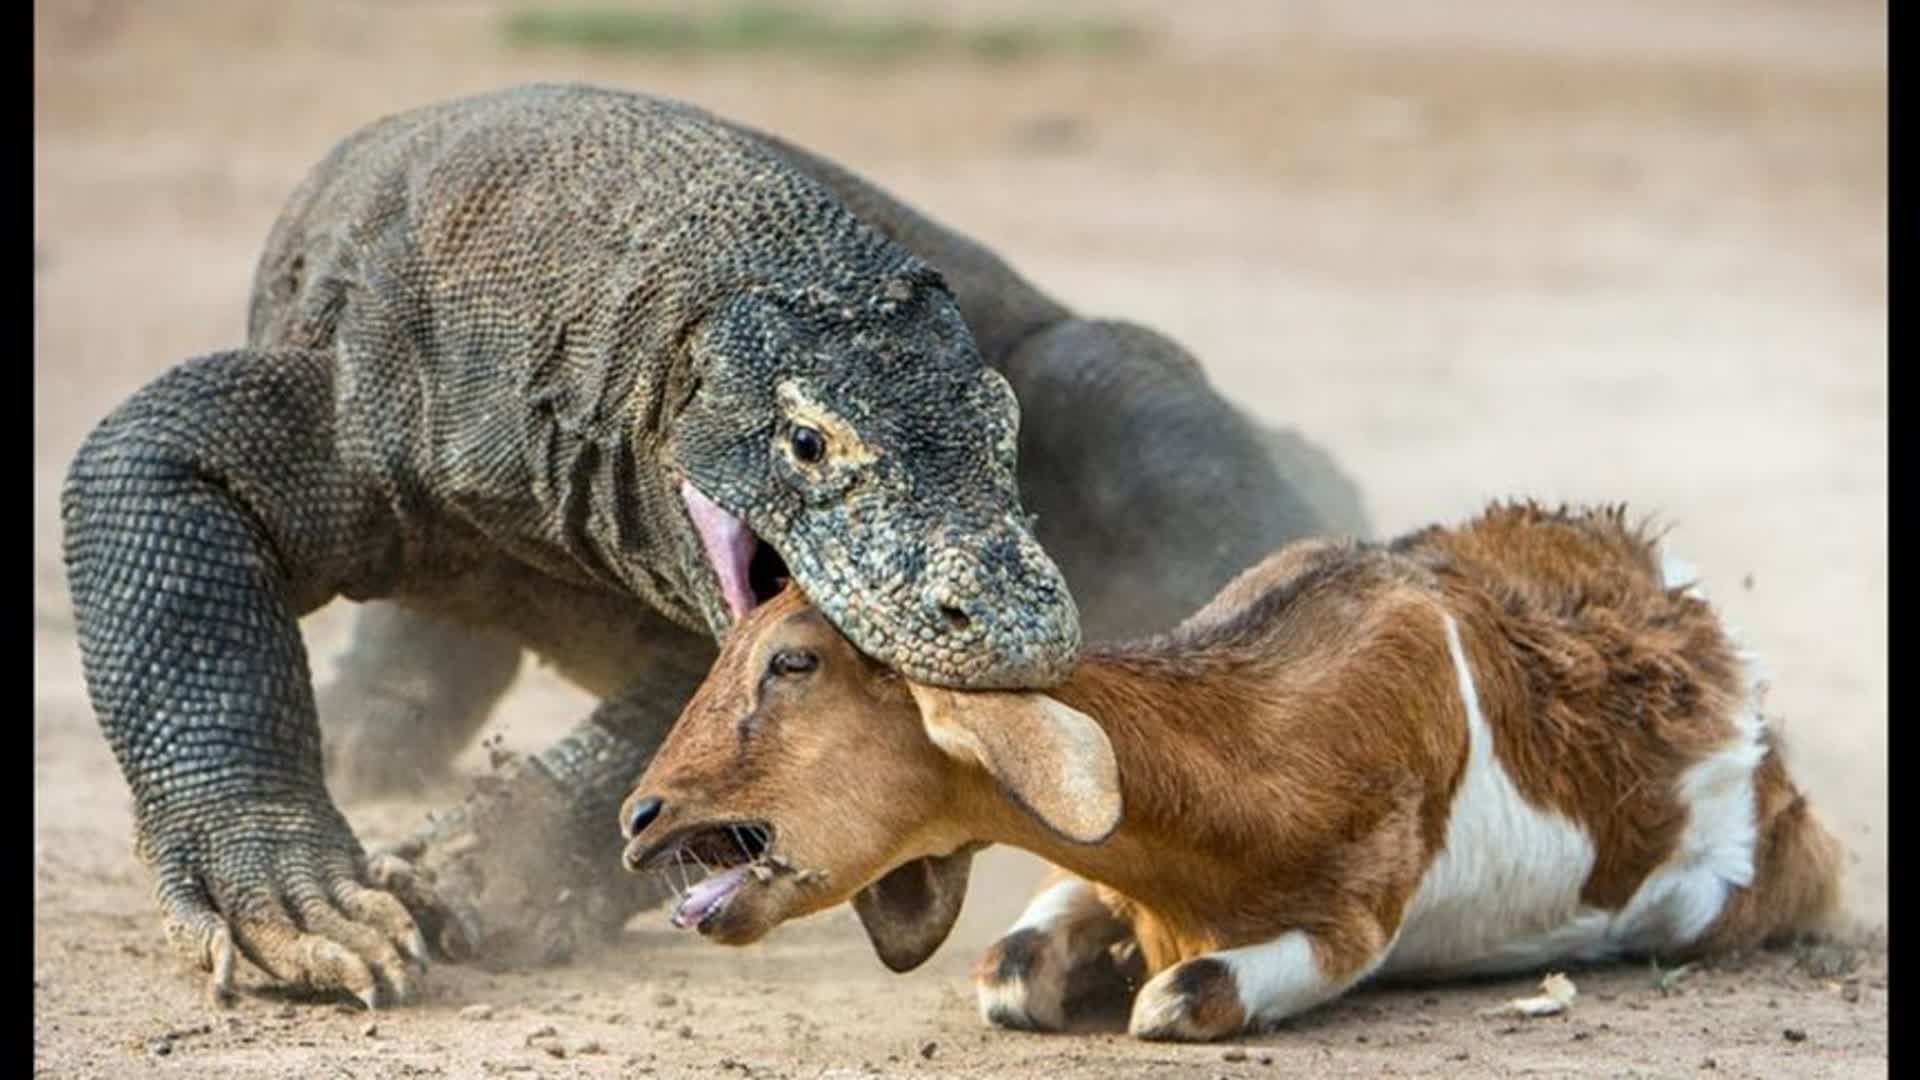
{"type": "Point", "coordinates": [750, 572]}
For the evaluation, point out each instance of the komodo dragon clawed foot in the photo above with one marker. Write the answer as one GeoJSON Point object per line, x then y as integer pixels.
{"type": "Point", "coordinates": [285, 886]}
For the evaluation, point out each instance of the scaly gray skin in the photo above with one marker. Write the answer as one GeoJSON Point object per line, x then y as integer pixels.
{"type": "Point", "coordinates": [489, 341]}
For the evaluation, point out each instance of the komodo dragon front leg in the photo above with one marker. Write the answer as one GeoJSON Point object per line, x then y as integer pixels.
{"type": "Point", "coordinates": [203, 518]}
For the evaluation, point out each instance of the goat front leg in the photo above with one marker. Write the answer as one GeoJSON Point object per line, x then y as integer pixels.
{"type": "Point", "coordinates": [1224, 993]}
{"type": "Point", "coordinates": [1021, 981]}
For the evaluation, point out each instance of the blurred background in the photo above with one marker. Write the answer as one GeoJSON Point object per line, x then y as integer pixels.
{"type": "Point", "coordinates": [1626, 251]}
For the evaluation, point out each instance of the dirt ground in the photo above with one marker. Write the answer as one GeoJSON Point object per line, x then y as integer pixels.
{"type": "Point", "coordinates": [1620, 251]}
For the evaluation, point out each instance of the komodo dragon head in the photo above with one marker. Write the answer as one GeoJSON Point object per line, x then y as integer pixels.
{"type": "Point", "coordinates": [851, 437]}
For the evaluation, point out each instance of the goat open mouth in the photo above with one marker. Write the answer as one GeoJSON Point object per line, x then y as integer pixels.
{"type": "Point", "coordinates": [730, 855]}
{"type": "Point", "coordinates": [750, 572]}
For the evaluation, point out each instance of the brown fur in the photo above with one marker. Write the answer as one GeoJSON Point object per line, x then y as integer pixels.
{"type": "Point", "coordinates": [1600, 685]}
{"type": "Point", "coordinates": [1288, 757]}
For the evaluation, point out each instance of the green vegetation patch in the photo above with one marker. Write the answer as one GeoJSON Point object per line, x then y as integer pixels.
{"type": "Point", "coordinates": [759, 27]}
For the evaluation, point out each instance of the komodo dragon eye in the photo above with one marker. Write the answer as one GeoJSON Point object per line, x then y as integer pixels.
{"type": "Point", "coordinates": [808, 445]}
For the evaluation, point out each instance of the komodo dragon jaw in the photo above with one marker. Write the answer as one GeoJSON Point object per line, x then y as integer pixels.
{"type": "Point", "coordinates": [854, 441]}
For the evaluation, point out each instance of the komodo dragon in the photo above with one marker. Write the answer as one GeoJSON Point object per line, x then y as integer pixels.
{"type": "Point", "coordinates": [586, 373]}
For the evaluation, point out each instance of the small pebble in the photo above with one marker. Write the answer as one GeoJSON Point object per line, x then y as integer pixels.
{"type": "Point", "coordinates": [478, 1011]}
{"type": "Point", "coordinates": [541, 1032]}
{"type": "Point", "coordinates": [927, 1049]}
{"type": "Point", "coordinates": [1234, 1054]}
{"type": "Point", "coordinates": [371, 1031]}
{"type": "Point", "coordinates": [1850, 993]}
{"type": "Point", "coordinates": [585, 1047]}
{"type": "Point", "coordinates": [160, 1047]}
{"type": "Point", "coordinates": [664, 999]}
{"type": "Point", "coordinates": [554, 1049]}
{"type": "Point", "coordinates": [1794, 1035]}
{"type": "Point", "coordinates": [686, 1031]}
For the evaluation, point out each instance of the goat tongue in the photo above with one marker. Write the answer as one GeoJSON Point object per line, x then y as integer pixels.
{"type": "Point", "coordinates": [707, 895]}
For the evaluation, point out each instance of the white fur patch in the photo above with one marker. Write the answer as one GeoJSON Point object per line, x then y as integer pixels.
{"type": "Point", "coordinates": [1677, 902]}
{"type": "Point", "coordinates": [1282, 977]}
{"type": "Point", "coordinates": [1049, 905]}
{"type": "Point", "coordinates": [1275, 980]}
{"type": "Point", "coordinates": [1504, 894]}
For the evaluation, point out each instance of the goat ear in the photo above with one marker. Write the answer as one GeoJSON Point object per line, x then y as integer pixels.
{"type": "Point", "coordinates": [911, 910]}
{"type": "Point", "coordinates": [1055, 762]}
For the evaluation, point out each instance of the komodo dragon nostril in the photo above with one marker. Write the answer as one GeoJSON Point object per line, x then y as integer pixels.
{"type": "Point", "coordinates": [642, 816]}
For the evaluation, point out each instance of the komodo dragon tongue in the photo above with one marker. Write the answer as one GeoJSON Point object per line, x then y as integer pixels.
{"type": "Point", "coordinates": [729, 545]}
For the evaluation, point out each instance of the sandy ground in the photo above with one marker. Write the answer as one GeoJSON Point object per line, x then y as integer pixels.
{"type": "Point", "coordinates": [1625, 251]}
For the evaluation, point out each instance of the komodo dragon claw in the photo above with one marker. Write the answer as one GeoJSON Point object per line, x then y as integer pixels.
{"type": "Point", "coordinates": [276, 893]}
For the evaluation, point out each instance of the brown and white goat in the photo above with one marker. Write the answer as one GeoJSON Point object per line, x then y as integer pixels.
{"type": "Point", "coordinates": [1471, 751]}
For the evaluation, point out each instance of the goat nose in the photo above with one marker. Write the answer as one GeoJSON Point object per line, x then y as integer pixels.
{"type": "Point", "coordinates": [642, 815]}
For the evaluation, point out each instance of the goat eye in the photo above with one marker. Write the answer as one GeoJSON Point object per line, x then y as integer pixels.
{"type": "Point", "coordinates": [808, 445]}
{"type": "Point", "coordinates": [792, 662]}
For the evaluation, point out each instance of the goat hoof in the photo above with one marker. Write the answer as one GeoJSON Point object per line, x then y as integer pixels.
{"type": "Point", "coordinates": [1194, 1001]}
{"type": "Point", "coordinates": [1020, 982]}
